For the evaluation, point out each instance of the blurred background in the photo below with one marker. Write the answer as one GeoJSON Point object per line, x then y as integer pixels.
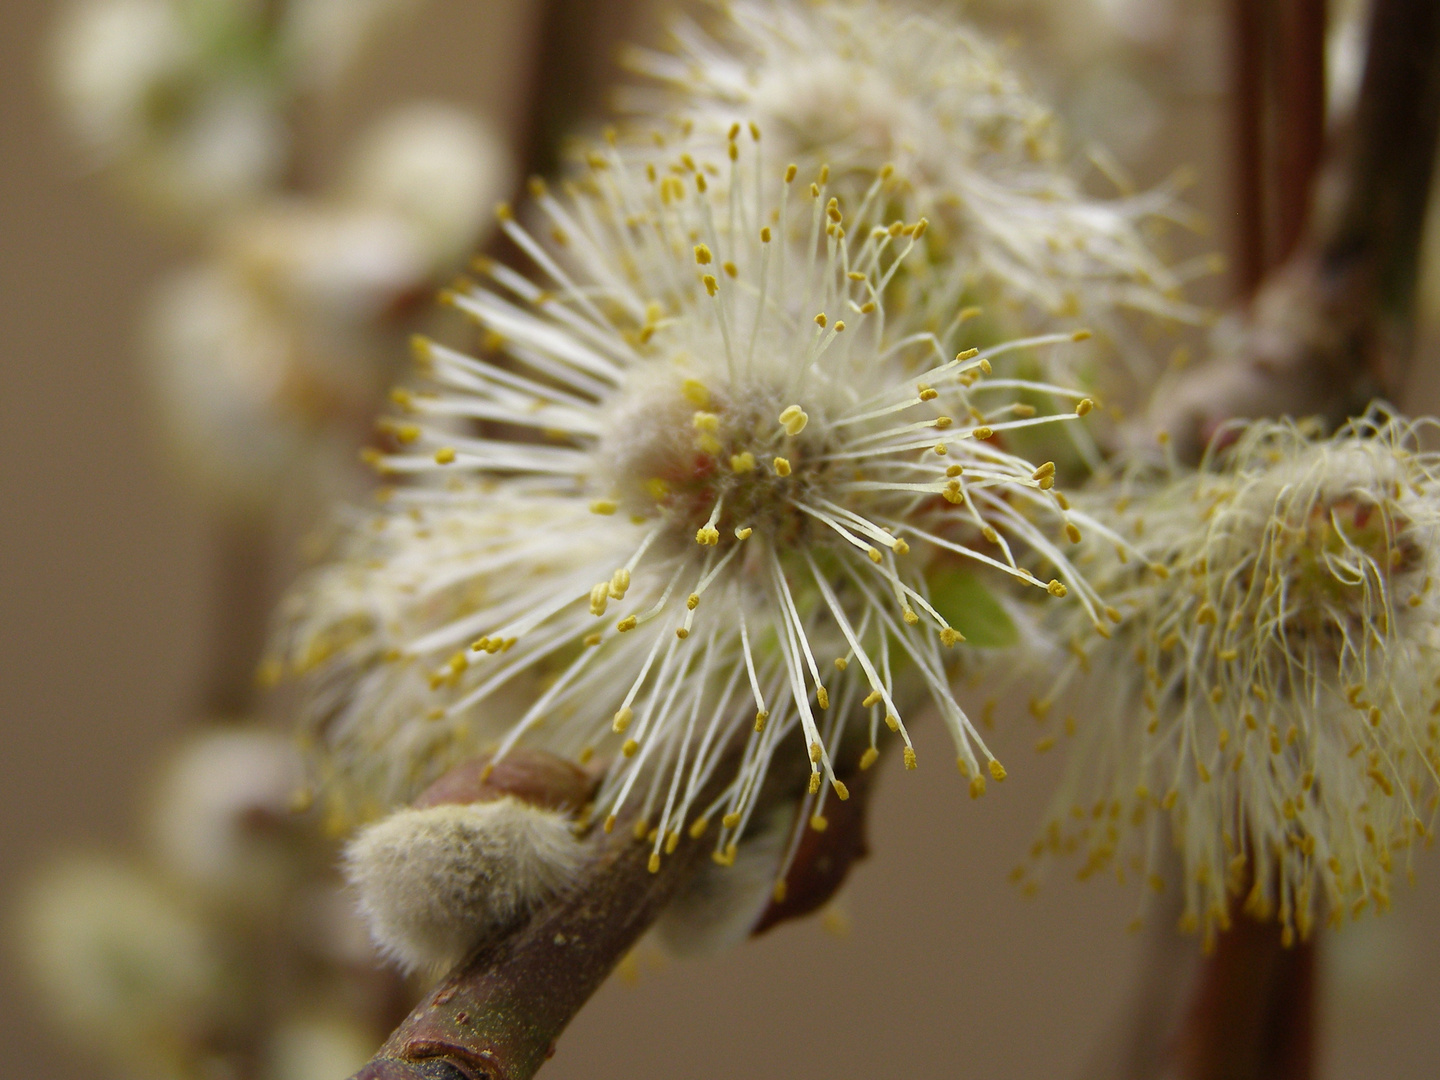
{"type": "Point", "coordinates": [115, 573]}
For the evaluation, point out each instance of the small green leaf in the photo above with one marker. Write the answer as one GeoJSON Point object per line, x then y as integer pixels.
{"type": "Point", "coordinates": [972, 609]}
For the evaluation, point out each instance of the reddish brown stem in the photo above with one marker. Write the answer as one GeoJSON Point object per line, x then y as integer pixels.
{"type": "Point", "coordinates": [1247, 120]}
{"type": "Point", "coordinates": [1254, 1009]}
{"type": "Point", "coordinates": [1299, 128]}
{"type": "Point", "coordinates": [1331, 327]}
{"type": "Point", "coordinates": [498, 1016]}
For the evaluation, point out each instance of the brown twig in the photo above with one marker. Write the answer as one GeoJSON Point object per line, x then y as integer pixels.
{"type": "Point", "coordinates": [1247, 122]}
{"type": "Point", "coordinates": [1331, 327]}
{"type": "Point", "coordinates": [1253, 1014]}
{"type": "Point", "coordinates": [498, 1016]}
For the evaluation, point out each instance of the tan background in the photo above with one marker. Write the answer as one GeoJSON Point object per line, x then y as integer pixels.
{"type": "Point", "coordinates": [103, 616]}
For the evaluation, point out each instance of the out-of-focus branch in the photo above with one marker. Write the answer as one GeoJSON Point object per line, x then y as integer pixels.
{"type": "Point", "coordinates": [1247, 114]}
{"type": "Point", "coordinates": [1253, 1013]}
{"type": "Point", "coordinates": [1331, 327]}
{"type": "Point", "coordinates": [1300, 112]}
{"type": "Point", "coordinates": [243, 594]}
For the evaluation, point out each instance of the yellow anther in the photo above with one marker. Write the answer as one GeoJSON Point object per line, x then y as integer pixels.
{"type": "Point", "coordinates": [695, 392]}
{"type": "Point", "coordinates": [603, 506]}
{"type": "Point", "coordinates": [761, 715]}
{"type": "Point", "coordinates": [814, 786]}
{"type": "Point", "coordinates": [942, 422]}
{"type": "Point", "coordinates": [873, 698]}
{"type": "Point", "coordinates": [682, 633]}
{"type": "Point", "coordinates": [816, 752]}
{"type": "Point", "coordinates": [591, 640]}
{"type": "Point", "coordinates": [622, 720]}
{"type": "Point", "coordinates": [900, 547]}
{"type": "Point", "coordinates": [407, 434]}
{"type": "Point", "coordinates": [940, 449]}
{"type": "Point", "coordinates": [820, 320]}
{"type": "Point", "coordinates": [707, 536]}
{"type": "Point", "coordinates": [1024, 412]}
{"type": "Point", "coordinates": [657, 489]}
{"type": "Point", "coordinates": [1206, 616]}
{"type": "Point", "coordinates": [445, 455]}
{"type": "Point", "coordinates": [790, 171]}
{"type": "Point", "coordinates": [982, 432]}
{"type": "Point", "coordinates": [730, 820]}
{"type": "Point", "coordinates": [950, 636]}
{"type": "Point", "coordinates": [692, 601]}
{"type": "Point", "coordinates": [892, 721]}
{"type": "Point", "coordinates": [730, 269]}
{"type": "Point", "coordinates": [743, 534]}
{"type": "Point", "coordinates": [1072, 533]}
{"type": "Point", "coordinates": [874, 554]}
{"type": "Point", "coordinates": [609, 825]}
{"type": "Point", "coordinates": [698, 827]}
{"type": "Point", "coordinates": [765, 235]}
{"type": "Point", "coordinates": [1080, 335]}
{"type": "Point", "coordinates": [777, 894]}
{"type": "Point", "coordinates": [822, 697]}
{"type": "Point", "coordinates": [1112, 613]}
{"type": "Point", "coordinates": [599, 598]}
{"type": "Point", "coordinates": [711, 285]}
{"type": "Point", "coordinates": [841, 663]}
{"type": "Point", "coordinates": [793, 419]}
{"type": "Point", "coordinates": [619, 584]}
{"type": "Point", "coordinates": [868, 758]}
{"type": "Point", "coordinates": [705, 421]}
{"type": "Point", "coordinates": [629, 748]}
{"type": "Point", "coordinates": [997, 770]}
{"type": "Point", "coordinates": [927, 393]}
{"type": "Point", "coordinates": [977, 787]}
{"type": "Point", "coordinates": [1084, 406]}
{"type": "Point", "coordinates": [742, 462]}
{"type": "Point", "coordinates": [702, 254]}
{"type": "Point", "coordinates": [1056, 587]}
{"type": "Point", "coordinates": [654, 863]}
{"type": "Point", "coordinates": [989, 533]}
{"type": "Point", "coordinates": [908, 614]}
{"type": "Point", "coordinates": [781, 466]}
{"type": "Point", "coordinates": [910, 761]}
{"type": "Point", "coordinates": [1048, 469]}
{"type": "Point", "coordinates": [626, 624]}
{"type": "Point", "coordinates": [953, 471]}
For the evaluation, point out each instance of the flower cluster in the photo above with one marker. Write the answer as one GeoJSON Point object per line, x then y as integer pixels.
{"type": "Point", "coordinates": [860, 84]}
{"type": "Point", "coordinates": [1270, 688]}
{"type": "Point", "coordinates": [689, 506]}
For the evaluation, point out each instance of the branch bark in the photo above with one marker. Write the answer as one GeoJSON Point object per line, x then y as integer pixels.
{"type": "Point", "coordinates": [498, 1016]}
{"type": "Point", "coordinates": [1254, 1010]}
{"type": "Point", "coordinates": [1331, 328]}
